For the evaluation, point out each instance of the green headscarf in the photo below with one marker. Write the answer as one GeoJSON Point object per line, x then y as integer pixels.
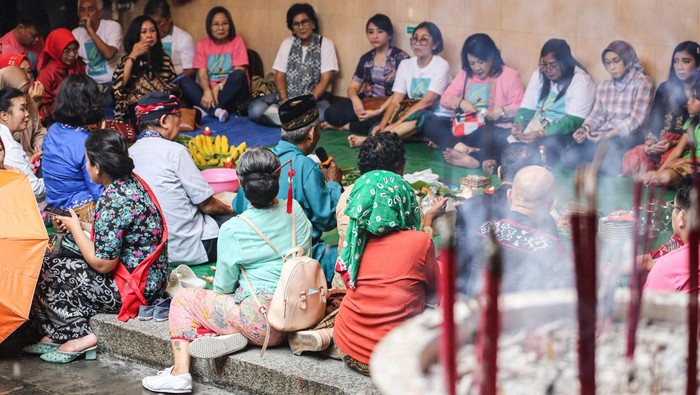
{"type": "Point", "coordinates": [381, 202]}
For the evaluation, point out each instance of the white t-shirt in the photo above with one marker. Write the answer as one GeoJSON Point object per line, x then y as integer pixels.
{"type": "Point", "coordinates": [169, 170]}
{"type": "Point", "coordinates": [100, 70]}
{"type": "Point", "coordinates": [329, 61]}
{"type": "Point", "coordinates": [578, 100]}
{"type": "Point", "coordinates": [179, 45]}
{"type": "Point", "coordinates": [415, 82]}
{"type": "Point", "coordinates": [16, 157]}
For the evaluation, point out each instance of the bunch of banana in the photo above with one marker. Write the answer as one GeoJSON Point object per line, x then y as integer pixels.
{"type": "Point", "coordinates": [208, 151]}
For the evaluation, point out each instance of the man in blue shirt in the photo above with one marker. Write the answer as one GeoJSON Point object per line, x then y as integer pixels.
{"type": "Point", "coordinates": [317, 189]}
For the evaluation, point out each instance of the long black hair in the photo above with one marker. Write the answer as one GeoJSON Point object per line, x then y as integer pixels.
{"type": "Point", "coordinates": [562, 53]}
{"type": "Point", "coordinates": [154, 57]}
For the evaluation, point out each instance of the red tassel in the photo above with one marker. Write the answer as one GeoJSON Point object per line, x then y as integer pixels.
{"type": "Point", "coordinates": [290, 173]}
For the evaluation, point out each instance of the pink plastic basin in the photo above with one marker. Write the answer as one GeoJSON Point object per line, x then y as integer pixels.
{"type": "Point", "coordinates": [221, 180]}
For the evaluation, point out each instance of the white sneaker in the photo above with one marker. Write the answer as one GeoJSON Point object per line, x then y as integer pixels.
{"type": "Point", "coordinates": [217, 346]}
{"type": "Point", "coordinates": [165, 382]}
{"type": "Point", "coordinates": [221, 114]}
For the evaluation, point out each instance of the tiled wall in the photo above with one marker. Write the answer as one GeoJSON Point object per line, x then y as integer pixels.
{"type": "Point", "coordinates": [519, 27]}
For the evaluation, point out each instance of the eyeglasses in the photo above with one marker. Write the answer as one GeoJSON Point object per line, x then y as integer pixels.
{"type": "Point", "coordinates": [423, 41]}
{"type": "Point", "coordinates": [612, 62]}
{"type": "Point", "coordinates": [219, 24]}
{"type": "Point", "coordinates": [549, 66]}
{"type": "Point", "coordinates": [670, 206]}
{"type": "Point", "coordinates": [298, 25]}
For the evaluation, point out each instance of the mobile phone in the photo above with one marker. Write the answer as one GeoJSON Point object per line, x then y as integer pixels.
{"type": "Point", "coordinates": [57, 211]}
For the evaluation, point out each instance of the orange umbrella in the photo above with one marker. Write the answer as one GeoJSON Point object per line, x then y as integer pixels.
{"type": "Point", "coordinates": [22, 245]}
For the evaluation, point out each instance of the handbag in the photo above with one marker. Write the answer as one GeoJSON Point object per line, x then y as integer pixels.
{"type": "Point", "coordinates": [299, 302]}
{"type": "Point", "coordinates": [62, 245]}
{"type": "Point", "coordinates": [188, 119]}
{"type": "Point", "coordinates": [401, 109]}
{"type": "Point", "coordinates": [123, 128]}
{"type": "Point", "coordinates": [465, 123]}
{"type": "Point", "coordinates": [373, 103]}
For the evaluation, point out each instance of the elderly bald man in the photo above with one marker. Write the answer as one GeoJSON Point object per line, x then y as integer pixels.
{"type": "Point", "coordinates": [533, 256]}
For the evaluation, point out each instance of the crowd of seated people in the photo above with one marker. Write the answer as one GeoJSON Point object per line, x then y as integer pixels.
{"type": "Point", "coordinates": [148, 207]}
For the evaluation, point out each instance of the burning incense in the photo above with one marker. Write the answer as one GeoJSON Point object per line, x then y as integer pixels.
{"type": "Point", "coordinates": [635, 287]}
{"type": "Point", "coordinates": [448, 345]}
{"type": "Point", "coordinates": [584, 232]}
{"type": "Point", "coordinates": [489, 320]}
{"type": "Point", "coordinates": [692, 368]}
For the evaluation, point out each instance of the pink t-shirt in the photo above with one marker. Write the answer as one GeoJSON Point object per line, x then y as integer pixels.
{"type": "Point", "coordinates": [220, 59]}
{"type": "Point", "coordinates": [8, 44]}
{"type": "Point", "coordinates": [670, 272]}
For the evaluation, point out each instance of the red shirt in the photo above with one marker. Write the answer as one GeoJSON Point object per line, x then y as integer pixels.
{"type": "Point", "coordinates": [396, 274]}
{"type": "Point", "coordinates": [9, 44]}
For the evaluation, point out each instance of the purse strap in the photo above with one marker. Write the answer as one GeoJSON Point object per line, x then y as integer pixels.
{"type": "Point", "coordinates": [262, 310]}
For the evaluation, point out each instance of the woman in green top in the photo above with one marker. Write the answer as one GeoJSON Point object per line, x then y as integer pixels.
{"type": "Point", "coordinates": [679, 162]}
{"type": "Point", "coordinates": [198, 315]}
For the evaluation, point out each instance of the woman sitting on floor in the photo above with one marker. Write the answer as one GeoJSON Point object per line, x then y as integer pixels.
{"type": "Point", "coordinates": [668, 114]}
{"type": "Point", "coordinates": [69, 184]}
{"type": "Point", "coordinates": [144, 68]}
{"type": "Point", "coordinates": [221, 61]}
{"type": "Point", "coordinates": [557, 100]}
{"type": "Point", "coordinates": [128, 235]}
{"type": "Point", "coordinates": [305, 65]}
{"type": "Point", "coordinates": [679, 163]}
{"type": "Point", "coordinates": [33, 135]}
{"type": "Point", "coordinates": [422, 79]}
{"type": "Point", "coordinates": [484, 85]}
{"type": "Point", "coordinates": [197, 315]}
{"type": "Point", "coordinates": [372, 81]}
{"type": "Point", "coordinates": [388, 264]}
{"type": "Point", "coordinates": [60, 61]}
{"type": "Point", "coordinates": [621, 106]}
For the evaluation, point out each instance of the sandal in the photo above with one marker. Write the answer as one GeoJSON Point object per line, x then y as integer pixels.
{"type": "Point", "coordinates": [40, 348]}
{"type": "Point", "coordinates": [66, 357]}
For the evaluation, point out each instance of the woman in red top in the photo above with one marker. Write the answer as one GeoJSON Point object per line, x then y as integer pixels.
{"type": "Point", "coordinates": [60, 61]}
{"type": "Point", "coordinates": [388, 265]}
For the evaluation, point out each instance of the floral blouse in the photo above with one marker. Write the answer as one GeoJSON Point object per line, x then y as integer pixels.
{"type": "Point", "coordinates": [128, 226]}
{"type": "Point", "coordinates": [378, 80]}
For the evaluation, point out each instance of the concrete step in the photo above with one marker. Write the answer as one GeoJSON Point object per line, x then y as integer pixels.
{"type": "Point", "coordinates": [279, 372]}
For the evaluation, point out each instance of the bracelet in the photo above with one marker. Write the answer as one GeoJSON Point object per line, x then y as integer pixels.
{"type": "Point", "coordinates": [132, 59]}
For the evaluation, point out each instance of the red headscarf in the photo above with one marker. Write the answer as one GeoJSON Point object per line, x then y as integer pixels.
{"type": "Point", "coordinates": [12, 59]}
{"type": "Point", "coordinates": [56, 42]}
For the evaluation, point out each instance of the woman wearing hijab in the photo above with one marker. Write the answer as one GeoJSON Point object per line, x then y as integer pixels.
{"type": "Point", "coordinates": [621, 106]}
{"type": "Point", "coordinates": [60, 61]}
{"type": "Point", "coordinates": [387, 263]}
{"type": "Point", "coordinates": [31, 137]}
{"type": "Point", "coordinates": [16, 59]}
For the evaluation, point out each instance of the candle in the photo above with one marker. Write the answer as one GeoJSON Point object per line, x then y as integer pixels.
{"type": "Point", "coordinates": [228, 163]}
{"type": "Point", "coordinates": [448, 344]}
{"type": "Point", "coordinates": [207, 131]}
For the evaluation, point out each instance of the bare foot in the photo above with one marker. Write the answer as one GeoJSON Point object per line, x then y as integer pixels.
{"type": "Point", "coordinates": [460, 159]}
{"type": "Point", "coordinates": [461, 147]}
{"type": "Point", "coordinates": [326, 125]}
{"type": "Point", "coordinates": [433, 145]}
{"type": "Point", "coordinates": [488, 166]}
{"type": "Point", "coordinates": [80, 344]}
{"type": "Point", "coordinates": [355, 140]}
